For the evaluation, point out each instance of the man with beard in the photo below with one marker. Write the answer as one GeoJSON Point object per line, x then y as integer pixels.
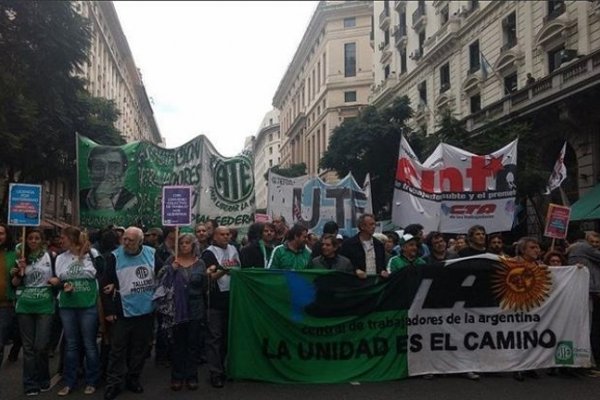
{"type": "Point", "coordinates": [476, 238]}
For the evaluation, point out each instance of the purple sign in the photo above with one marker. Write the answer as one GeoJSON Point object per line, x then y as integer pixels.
{"type": "Point", "coordinates": [177, 205]}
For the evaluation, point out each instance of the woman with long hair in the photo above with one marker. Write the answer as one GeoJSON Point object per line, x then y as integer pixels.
{"type": "Point", "coordinates": [7, 294]}
{"type": "Point", "coordinates": [180, 301]}
{"type": "Point", "coordinates": [77, 307]}
{"type": "Point", "coordinates": [35, 309]}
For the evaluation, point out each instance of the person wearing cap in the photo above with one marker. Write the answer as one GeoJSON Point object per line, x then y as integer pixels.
{"type": "Point", "coordinates": [408, 256]}
{"type": "Point", "coordinates": [367, 255]}
{"type": "Point", "coordinates": [153, 237]}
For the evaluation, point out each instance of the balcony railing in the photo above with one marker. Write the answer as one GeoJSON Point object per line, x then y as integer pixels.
{"type": "Point", "coordinates": [585, 71]}
{"type": "Point", "coordinates": [558, 10]}
{"type": "Point", "coordinates": [400, 35]}
{"type": "Point", "coordinates": [384, 17]}
{"type": "Point", "coordinates": [418, 16]}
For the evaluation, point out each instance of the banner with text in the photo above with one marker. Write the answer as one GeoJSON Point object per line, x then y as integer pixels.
{"type": "Point", "coordinates": [455, 189]}
{"type": "Point", "coordinates": [476, 314]}
{"type": "Point", "coordinates": [312, 202]}
{"type": "Point", "coordinates": [122, 185]}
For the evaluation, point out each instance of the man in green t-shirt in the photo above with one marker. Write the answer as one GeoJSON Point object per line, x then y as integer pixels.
{"type": "Point", "coordinates": [293, 254]}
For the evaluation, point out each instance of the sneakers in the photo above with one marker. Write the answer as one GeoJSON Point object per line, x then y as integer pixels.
{"type": "Point", "coordinates": [64, 391]}
{"type": "Point", "coordinates": [89, 389]}
{"type": "Point", "coordinates": [46, 388]}
{"type": "Point", "coordinates": [472, 376]}
{"type": "Point", "coordinates": [32, 392]}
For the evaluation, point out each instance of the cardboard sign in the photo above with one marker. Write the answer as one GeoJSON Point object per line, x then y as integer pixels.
{"type": "Point", "coordinates": [557, 221]}
{"type": "Point", "coordinates": [24, 204]}
{"type": "Point", "coordinates": [177, 205]}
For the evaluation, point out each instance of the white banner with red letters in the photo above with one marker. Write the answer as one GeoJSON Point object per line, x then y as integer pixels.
{"type": "Point", "coordinates": [455, 189]}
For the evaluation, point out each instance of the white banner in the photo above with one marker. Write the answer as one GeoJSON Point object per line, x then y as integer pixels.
{"type": "Point", "coordinates": [455, 189]}
{"type": "Point", "coordinates": [544, 332]}
{"type": "Point", "coordinates": [312, 202]}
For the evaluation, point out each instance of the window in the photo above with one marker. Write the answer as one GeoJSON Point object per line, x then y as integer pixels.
{"type": "Point", "coordinates": [349, 22]}
{"type": "Point", "coordinates": [475, 101]}
{"type": "Point", "coordinates": [386, 36]}
{"type": "Point", "coordinates": [554, 58]}
{"type": "Point", "coordinates": [510, 83]}
{"type": "Point", "coordinates": [270, 134]}
{"type": "Point", "coordinates": [555, 8]}
{"type": "Point", "coordinates": [403, 61]}
{"type": "Point", "coordinates": [509, 31]}
{"type": "Point", "coordinates": [349, 59]}
{"type": "Point", "coordinates": [422, 88]}
{"type": "Point", "coordinates": [473, 4]}
{"type": "Point", "coordinates": [444, 15]}
{"type": "Point", "coordinates": [270, 163]}
{"type": "Point", "coordinates": [421, 41]}
{"type": "Point", "coordinates": [444, 77]}
{"type": "Point", "coordinates": [349, 96]}
{"type": "Point", "coordinates": [386, 72]}
{"type": "Point", "coordinates": [474, 62]}
{"type": "Point", "coordinates": [270, 149]}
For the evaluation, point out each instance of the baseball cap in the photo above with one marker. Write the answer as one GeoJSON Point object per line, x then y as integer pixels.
{"type": "Point", "coordinates": [407, 237]}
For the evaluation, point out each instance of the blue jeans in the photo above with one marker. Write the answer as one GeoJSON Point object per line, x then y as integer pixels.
{"type": "Point", "coordinates": [35, 333]}
{"type": "Point", "coordinates": [80, 324]}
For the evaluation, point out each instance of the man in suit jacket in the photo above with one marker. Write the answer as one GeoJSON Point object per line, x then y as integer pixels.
{"type": "Point", "coordinates": [366, 253]}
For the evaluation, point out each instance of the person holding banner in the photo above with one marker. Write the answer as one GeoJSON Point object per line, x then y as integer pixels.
{"type": "Point", "coordinates": [128, 289]}
{"type": "Point", "coordinates": [77, 308]}
{"type": "Point", "coordinates": [219, 258]}
{"type": "Point", "coordinates": [35, 309]}
{"type": "Point", "coordinates": [366, 255]}
{"type": "Point", "coordinates": [179, 298]}
{"type": "Point", "coordinates": [408, 257]}
{"type": "Point", "coordinates": [476, 237]}
{"type": "Point", "coordinates": [292, 254]}
{"type": "Point", "coordinates": [329, 259]}
{"type": "Point", "coordinates": [7, 294]}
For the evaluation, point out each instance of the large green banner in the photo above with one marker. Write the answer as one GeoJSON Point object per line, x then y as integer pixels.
{"type": "Point", "coordinates": [483, 314]}
{"type": "Point", "coordinates": [122, 185]}
{"type": "Point", "coordinates": [315, 326]}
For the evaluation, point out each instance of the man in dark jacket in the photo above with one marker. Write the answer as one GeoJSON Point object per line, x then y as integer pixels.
{"type": "Point", "coordinates": [329, 259]}
{"type": "Point", "coordinates": [366, 254]}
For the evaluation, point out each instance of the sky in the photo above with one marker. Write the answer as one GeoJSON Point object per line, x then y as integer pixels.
{"type": "Point", "coordinates": [212, 68]}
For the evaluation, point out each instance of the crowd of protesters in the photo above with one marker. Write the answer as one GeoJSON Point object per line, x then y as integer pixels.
{"type": "Point", "coordinates": [166, 293]}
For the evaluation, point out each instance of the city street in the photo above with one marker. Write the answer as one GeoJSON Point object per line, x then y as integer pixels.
{"type": "Point", "coordinates": [500, 386]}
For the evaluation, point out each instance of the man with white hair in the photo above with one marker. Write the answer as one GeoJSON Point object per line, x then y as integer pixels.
{"type": "Point", "coordinates": [128, 286]}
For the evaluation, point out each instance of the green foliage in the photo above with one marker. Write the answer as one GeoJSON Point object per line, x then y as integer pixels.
{"type": "Point", "coordinates": [369, 144]}
{"type": "Point", "coordinates": [43, 103]}
{"type": "Point", "coordinates": [293, 171]}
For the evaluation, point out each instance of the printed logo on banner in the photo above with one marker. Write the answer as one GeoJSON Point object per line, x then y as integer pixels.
{"type": "Point", "coordinates": [521, 286]}
{"type": "Point", "coordinates": [233, 182]}
{"type": "Point", "coordinates": [564, 353]}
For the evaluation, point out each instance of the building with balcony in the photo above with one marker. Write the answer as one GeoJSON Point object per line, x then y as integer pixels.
{"type": "Point", "coordinates": [327, 81]}
{"type": "Point", "coordinates": [111, 73]}
{"type": "Point", "coordinates": [495, 62]}
{"type": "Point", "coordinates": [265, 147]}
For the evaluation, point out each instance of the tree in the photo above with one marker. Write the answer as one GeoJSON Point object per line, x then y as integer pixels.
{"type": "Point", "coordinates": [43, 101]}
{"type": "Point", "coordinates": [369, 144]}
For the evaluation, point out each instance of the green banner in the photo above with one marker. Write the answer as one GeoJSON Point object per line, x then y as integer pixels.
{"type": "Point", "coordinates": [122, 185]}
{"type": "Point", "coordinates": [315, 326]}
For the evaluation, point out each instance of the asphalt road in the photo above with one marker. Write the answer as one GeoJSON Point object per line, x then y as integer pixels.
{"type": "Point", "coordinates": [500, 386]}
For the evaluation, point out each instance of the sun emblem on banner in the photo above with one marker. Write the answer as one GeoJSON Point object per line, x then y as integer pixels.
{"type": "Point", "coordinates": [521, 285]}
